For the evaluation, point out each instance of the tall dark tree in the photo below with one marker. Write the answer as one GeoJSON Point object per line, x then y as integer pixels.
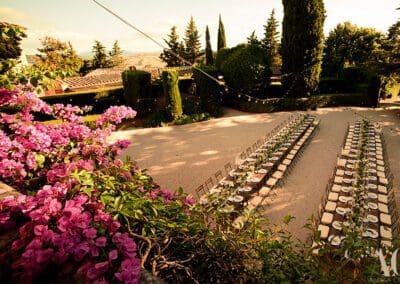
{"type": "Point", "coordinates": [302, 45]}
{"type": "Point", "coordinates": [271, 40]}
{"type": "Point", "coordinates": [58, 56]}
{"type": "Point", "coordinates": [175, 46]}
{"type": "Point", "coordinates": [99, 56]}
{"type": "Point", "coordinates": [252, 39]}
{"type": "Point", "coordinates": [192, 42]}
{"type": "Point", "coordinates": [10, 39]}
{"type": "Point", "coordinates": [221, 34]}
{"type": "Point", "coordinates": [116, 56]}
{"type": "Point", "coordinates": [394, 42]}
{"type": "Point", "coordinates": [209, 52]}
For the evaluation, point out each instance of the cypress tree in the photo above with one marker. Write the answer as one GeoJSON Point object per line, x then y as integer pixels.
{"type": "Point", "coordinates": [221, 34]}
{"type": "Point", "coordinates": [271, 40]}
{"type": "Point", "coordinates": [99, 56]}
{"type": "Point", "coordinates": [175, 46]}
{"type": "Point", "coordinates": [252, 39]}
{"type": "Point", "coordinates": [170, 78]}
{"type": "Point", "coordinates": [209, 53]}
{"type": "Point", "coordinates": [192, 42]}
{"type": "Point", "coordinates": [302, 45]}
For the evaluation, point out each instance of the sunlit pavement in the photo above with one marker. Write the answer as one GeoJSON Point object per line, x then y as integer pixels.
{"type": "Point", "coordinates": [189, 154]}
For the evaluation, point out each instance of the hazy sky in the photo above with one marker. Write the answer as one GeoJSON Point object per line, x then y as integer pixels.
{"type": "Point", "coordinates": [82, 21]}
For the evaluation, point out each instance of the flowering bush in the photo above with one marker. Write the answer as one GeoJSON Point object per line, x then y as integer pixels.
{"type": "Point", "coordinates": [83, 213]}
{"type": "Point", "coordinates": [82, 209]}
{"type": "Point", "coordinates": [57, 221]}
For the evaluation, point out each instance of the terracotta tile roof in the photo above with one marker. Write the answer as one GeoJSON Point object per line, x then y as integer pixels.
{"type": "Point", "coordinates": [107, 77]}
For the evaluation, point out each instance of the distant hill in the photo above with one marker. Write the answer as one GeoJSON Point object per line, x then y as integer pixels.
{"type": "Point", "coordinates": [138, 59]}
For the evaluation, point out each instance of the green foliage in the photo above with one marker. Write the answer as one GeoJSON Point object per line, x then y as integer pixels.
{"type": "Point", "coordinates": [180, 242]}
{"type": "Point", "coordinates": [302, 44]}
{"type": "Point", "coordinates": [252, 39]}
{"type": "Point", "coordinates": [170, 79]}
{"type": "Point", "coordinates": [86, 67]}
{"type": "Point", "coordinates": [137, 90]}
{"type": "Point", "coordinates": [186, 119]}
{"type": "Point", "coordinates": [209, 52]}
{"type": "Point", "coordinates": [393, 41]}
{"type": "Point", "coordinates": [271, 40]}
{"type": "Point", "coordinates": [208, 90]}
{"type": "Point", "coordinates": [10, 40]}
{"type": "Point", "coordinates": [348, 45]}
{"type": "Point", "coordinates": [192, 43]}
{"type": "Point", "coordinates": [221, 35]}
{"type": "Point", "coordinates": [390, 87]}
{"type": "Point", "coordinates": [37, 76]}
{"type": "Point", "coordinates": [99, 56]}
{"type": "Point", "coordinates": [116, 57]}
{"type": "Point", "coordinates": [57, 56]}
{"type": "Point", "coordinates": [175, 46]}
{"type": "Point", "coordinates": [245, 67]}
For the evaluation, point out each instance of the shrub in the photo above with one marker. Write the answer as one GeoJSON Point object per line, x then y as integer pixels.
{"type": "Point", "coordinates": [245, 67]}
{"type": "Point", "coordinates": [373, 91]}
{"type": "Point", "coordinates": [287, 104]}
{"type": "Point", "coordinates": [59, 229]}
{"type": "Point", "coordinates": [390, 87]}
{"type": "Point", "coordinates": [98, 100]}
{"type": "Point", "coordinates": [334, 86]}
{"type": "Point", "coordinates": [137, 90]}
{"type": "Point", "coordinates": [355, 75]}
{"type": "Point", "coordinates": [171, 91]}
{"type": "Point", "coordinates": [209, 91]}
{"type": "Point", "coordinates": [85, 216]}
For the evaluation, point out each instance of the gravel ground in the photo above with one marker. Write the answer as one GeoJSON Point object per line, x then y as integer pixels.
{"type": "Point", "coordinates": [187, 155]}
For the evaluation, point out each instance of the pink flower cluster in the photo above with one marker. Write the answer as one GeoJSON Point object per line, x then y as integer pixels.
{"type": "Point", "coordinates": [59, 224]}
{"type": "Point", "coordinates": [115, 115]}
{"type": "Point", "coordinates": [168, 196]}
{"type": "Point", "coordinates": [30, 148]}
{"type": "Point", "coordinates": [59, 230]}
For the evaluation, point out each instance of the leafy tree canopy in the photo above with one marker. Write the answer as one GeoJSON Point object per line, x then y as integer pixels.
{"type": "Point", "coordinates": [58, 56]}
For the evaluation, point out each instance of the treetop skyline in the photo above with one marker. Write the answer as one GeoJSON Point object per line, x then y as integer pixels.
{"type": "Point", "coordinates": [82, 22]}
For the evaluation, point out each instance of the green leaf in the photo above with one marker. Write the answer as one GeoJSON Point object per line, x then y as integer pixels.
{"type": "Point", "coordinates": [40, 159]}
{"type": "Point", "coordinates": [287, 219]}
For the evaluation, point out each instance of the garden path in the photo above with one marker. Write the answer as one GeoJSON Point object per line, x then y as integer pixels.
{"type": "Point", "coordinates": [187, 155]}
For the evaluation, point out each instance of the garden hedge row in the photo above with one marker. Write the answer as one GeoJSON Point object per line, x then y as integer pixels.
{"type": "Point", "coordinates": [288, 104]}
{"type": "Point", "coordinates": [209, 91]}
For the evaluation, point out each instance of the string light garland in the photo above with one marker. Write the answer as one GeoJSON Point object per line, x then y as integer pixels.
{"type": "Point", "coordinates": [189, 64]}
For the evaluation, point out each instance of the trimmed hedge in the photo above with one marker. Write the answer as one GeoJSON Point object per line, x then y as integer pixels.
{"type": "Point", "coordinates": [208, 90]}
{"type": "Point", "coordinates": [137, 90]}
{"type": "Point", "coordinates": [171, 91]}
{"type": "Point", "coordinates": [288, 104]}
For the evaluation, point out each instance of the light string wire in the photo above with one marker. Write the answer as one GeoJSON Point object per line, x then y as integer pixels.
{"type": "Point", "coordinates": [221, 83]}
{"type": "Point", "coordinates": [237, 93]}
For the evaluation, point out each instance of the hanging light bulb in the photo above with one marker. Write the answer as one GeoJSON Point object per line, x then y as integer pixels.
{"type": "Point", "coordinates": [239, 95]}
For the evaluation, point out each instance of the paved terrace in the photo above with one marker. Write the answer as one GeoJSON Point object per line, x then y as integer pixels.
{"type": "Point", "coordinates": [189, 154]}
